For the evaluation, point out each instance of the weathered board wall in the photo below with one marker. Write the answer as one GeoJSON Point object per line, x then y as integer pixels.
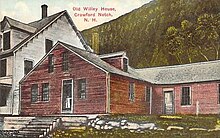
{"type": "Point", "coordinates": [206, 93]}
{"type": "Point", "coordinates": [119, 96]}
{"type": "Point", "coordinates": [61, 30]}
{"type": "Point", "coordinates": [96, 84]}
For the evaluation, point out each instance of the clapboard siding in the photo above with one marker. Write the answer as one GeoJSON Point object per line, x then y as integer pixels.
{"type": "Point", "coordinates": [119, 96]}
{"type": "Point", "coordinates": [95, 101]}
{"type": "Point", "coordinates": [206, 93]}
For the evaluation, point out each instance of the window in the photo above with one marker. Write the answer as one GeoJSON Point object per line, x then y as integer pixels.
{"type": "Point", "coordinates": [48, 45]}
{"type": "Point", "coordinates": [3, 66]}
{"type": "Point", "coordinates": [34, 93]}
{"type": "Point", "coordinates": [147, 94]}
{"type": "Point", "coordinates": [50, 63]}
{"type": "Point", "coordinates": [67, 96]}
{"type": "Point", "coordinates": [28, 65]}
{"type": "Point", "coordinates": [125, 64]}
{"type": "Point", "coordinates": [65, 61]}
{"type": "Point", "coordinates": [82, 88]}
{"type": "Point", "coordinates": [3, 98]}
{"type": "Point", "coordinates": [186, 96]}
{"type": "Point", "coordinates": [131, 91]}
{"type": "Point", "coordinates": [6, 41]}
{"type": "Point", "coordinates": [45, 92]}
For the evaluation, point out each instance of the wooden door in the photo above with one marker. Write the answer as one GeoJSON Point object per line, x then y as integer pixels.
{"type": "Point", "coordinates": [168, 102]}
{"type": "Point", "coordinates": [67, 96]}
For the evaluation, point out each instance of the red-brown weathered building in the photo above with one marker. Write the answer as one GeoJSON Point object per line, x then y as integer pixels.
{"type": "Point", "coordinates": [69, 80]}
{"type": "Point", "coordinates": [185, 89]}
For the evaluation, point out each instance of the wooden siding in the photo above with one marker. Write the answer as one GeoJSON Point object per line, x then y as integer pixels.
{"type": "Point", "coordinates": [119, 96]}
{"type": "Point", "coordinates": [206, 93]}
{"type": "Point", "coordinates": [34, 50]}
{"type": "Point", "coordinates": [116, 62]}
{"type": "Point", "coordinates": [95, 101]}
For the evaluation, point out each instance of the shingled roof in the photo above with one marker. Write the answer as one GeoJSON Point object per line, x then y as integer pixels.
{"type": "Point", "coordinates": [94, 59]}
{"type": "Point", "coordinates": [188, 73]}
{"type": "Point", "coordinates": [19, 25]}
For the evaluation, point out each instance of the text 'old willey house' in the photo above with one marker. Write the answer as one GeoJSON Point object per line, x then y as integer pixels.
{"type": "Point", "coordinates": [48, 69]}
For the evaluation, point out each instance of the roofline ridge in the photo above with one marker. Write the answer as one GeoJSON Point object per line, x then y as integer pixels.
{"type": "Point", "coordinates": [183, 65]}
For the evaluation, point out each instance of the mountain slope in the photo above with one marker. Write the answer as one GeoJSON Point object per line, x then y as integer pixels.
{"type": "Point", "coordinates": [163, 33]}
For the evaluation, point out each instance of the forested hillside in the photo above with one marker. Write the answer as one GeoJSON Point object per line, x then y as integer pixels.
{"type": "Point", "coordinates": [163, 32]}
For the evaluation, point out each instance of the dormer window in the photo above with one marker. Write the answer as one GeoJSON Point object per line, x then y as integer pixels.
{"type": "Point", "coordinates": [6, 41]}
{"type": "Point", "coordinates": [48, 45]}
{"type": "Point", "coordinates": [125, 64]}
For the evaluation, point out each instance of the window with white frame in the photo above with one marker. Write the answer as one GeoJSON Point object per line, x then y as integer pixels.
{"type": "Point", "coordinates": [186, 96]}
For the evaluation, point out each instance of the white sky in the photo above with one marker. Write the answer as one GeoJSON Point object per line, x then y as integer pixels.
{"type": "Point", "coordinates": [30, 10]}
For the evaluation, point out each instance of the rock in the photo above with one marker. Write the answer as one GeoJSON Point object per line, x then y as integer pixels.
{"type": "Point", "coordinates": [160, 129]}
{"type": "Point", "coordinates": [100, 122]}
{"type": "Point", "coordinates": [132, 125]}
{"type": "Point", "coordinates": [197, 129]}
{"type": "Point", "coordinates": [147, 126]}
{"type": "Point", "coordinates": [97, 127]}
{"type": "Point", "coordinates": [132, 130]}
{"type": "Point", "coordinates": [93, 124]}
{"type": "Point", "coordinates": [123, 122]}
{"type": "Point", "coordinates": [114, 123]}
{"type": "Point", "coordinates": [124, 127]}
{"type": "Point", "coordinates": [96, 120]}
{"type": "Point", "coordinates": [174, 127]}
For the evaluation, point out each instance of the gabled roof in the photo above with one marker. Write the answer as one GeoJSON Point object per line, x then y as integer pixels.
{"type": "Point", "coordinates": [179, 74]}
{"type": "Point", "coordinates": [42, 24]}
{"type": "Point", "coordinates": [19, 25]}
{"type": "Point", "coordinates": [93, 59]}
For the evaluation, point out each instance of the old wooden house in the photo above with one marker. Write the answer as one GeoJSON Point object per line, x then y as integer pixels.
{"type": "Point", "coordinates": [23, 45]}
{"type": "Point", "coordinates": [69, 80]}
{"type": "Point", "coordinates": [185, 89]}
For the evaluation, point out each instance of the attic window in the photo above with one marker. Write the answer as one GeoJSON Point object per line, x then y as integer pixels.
{"type": "Point", "coordinates": [6, 41]}
{"type": "Point", "coordinates": [48, 45]}
{"type": "Point", "coordinates": [28, 65]}
{"type": "Point", "coordinates": [125, 64]}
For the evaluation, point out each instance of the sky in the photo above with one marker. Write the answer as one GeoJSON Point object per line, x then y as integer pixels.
{"type": "Point", "coordinates": [100, 10]}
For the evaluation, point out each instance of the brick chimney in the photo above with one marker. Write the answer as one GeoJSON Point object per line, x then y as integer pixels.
{"type": "Point", "coordinates": [44, 11]}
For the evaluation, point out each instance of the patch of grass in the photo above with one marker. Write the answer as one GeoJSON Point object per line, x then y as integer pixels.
{"type": "Point", "coordinates": [186, 121]}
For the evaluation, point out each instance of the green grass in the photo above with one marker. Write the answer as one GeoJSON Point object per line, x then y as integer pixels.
{"type": "Point", "coordinates": [190, 121]}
